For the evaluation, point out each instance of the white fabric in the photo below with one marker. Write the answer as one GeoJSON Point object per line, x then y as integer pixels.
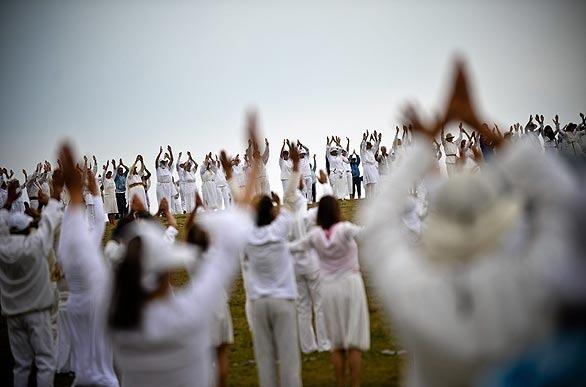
{"type": "Point", "coordinates": [467, 317]}
{"type": "Point", "coordinates": [173, 347]}
{"type": "Point", "coordinates": [110, 204]}
{"type": "Point", "coordinates": [164, 184]}
{"type": "Point", "coordinates": [274, 334]}
{"type": "Point", "coordinates": [269, 265]}
{"type": "Point", "coordinates": [209, 189]}
{"type": "Point", "coordinates": [309, 288]}
{"type": "Point", "coordinates": [82, 342]}
{"type": "Point", "coordinates": [369, 164]}
{"type": "Point", "coordinates": [31, 341]}
{"type": "Point", "coordinates": [346, 311]}
{"type": "Point", "coordinates": [24, 271]}
{"type": "Point", "coordinates": [137, 190]}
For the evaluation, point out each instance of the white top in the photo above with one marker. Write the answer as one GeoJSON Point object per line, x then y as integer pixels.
{"type": "Point", "coordinates": [172, 347]}
{"type": "Point", "coordinates": [268, 261]}
{"type": "Point", "coordinates": [24, 272]}
{"type": "Point", "coordinates": [367, 155]}
{"type": "Point", "coordinates": [286, 167]}
{"type": "Point", "coordinates": [164, 175]}
{"type": "Point", "coordinates": [450, 346]}
{"type": "Point", "coordinates": [336, 162]}
{"type": "Point", "coordinates": [306, 261]}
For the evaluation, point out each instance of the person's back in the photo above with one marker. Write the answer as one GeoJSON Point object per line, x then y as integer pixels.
{"type": "Point", "coordinates": [270, 264]}
{"type": "Point", "coordinates": [172, 347]}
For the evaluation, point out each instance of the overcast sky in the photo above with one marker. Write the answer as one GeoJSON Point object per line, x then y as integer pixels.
{"type": "Point", "coordinates": [123, 77]}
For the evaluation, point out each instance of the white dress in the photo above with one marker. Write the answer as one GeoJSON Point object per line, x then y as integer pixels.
{"type": "Point", "coordinates": [164, 184]}
{"type": "Point", "coordinates": [209, 189]}
{"type": "Point", "coordinates": [369, 164]}
{"type": "Point", "coordinates": [110, 205]}
{"type": "Point", "coordinates": [135, 188]}
{"type": "Point", "coordinates": [338, 174]}
{"type": "Point", "coordinates": [83, 347]}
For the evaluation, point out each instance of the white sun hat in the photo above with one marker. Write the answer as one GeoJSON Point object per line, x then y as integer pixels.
{"type": "Point", "coordinates": [469, 215]}
{"type": "Point", "coordinates": [159, 256]}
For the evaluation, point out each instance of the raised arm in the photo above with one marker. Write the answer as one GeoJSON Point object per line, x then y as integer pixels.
{"type": "Point", "coordinates": [178, 167]}
{"type": "Point", "coordinates": [170, 156]}
{"type": "Point", "coordinates": [265, 155]}
{"type": "Point", "coordinates": [158, 157]}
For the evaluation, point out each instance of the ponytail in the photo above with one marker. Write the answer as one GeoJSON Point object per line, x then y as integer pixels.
{"type": "Point", "coordinates": [128, 296]}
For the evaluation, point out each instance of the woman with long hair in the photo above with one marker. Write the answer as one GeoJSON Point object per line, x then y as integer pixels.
{"type": "Point", "coordinates": [272, 289]}
{"type": "Point", "coordinates": [343, 294]}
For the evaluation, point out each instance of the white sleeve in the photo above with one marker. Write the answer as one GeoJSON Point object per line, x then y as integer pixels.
{"type": "Point", "coordinates": [229, 231]}
{"type": "Point", "coordinates": [43, 238]}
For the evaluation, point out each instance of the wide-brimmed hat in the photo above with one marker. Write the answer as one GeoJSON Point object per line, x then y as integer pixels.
{"type": "Point", "coordinates": [449, 136]}
{"type": "Point", "coordinates": [469, 215]}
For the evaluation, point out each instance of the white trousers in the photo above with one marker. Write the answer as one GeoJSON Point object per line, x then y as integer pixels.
{"type": "Point", "coordinates": [309, 298]}
{"type": "Point", "coordinates": [225, 196]}
{"type": "Point", "coordinates": [274, 334]}
{"type": "Point", "coordinates": [349, 181]}
{"type": "Point", "coordinates": [31, 339]}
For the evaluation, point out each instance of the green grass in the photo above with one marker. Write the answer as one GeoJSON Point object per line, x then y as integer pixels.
{"type": "Point", "coordinates": [378, 369]}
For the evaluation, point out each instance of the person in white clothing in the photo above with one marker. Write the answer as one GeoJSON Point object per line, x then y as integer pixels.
{"type": "Point", "coordinates": [450, 150]}
{"type": "Point", "coordinates": [82, 341]}
{"type": "Point", "coordinates": [134, 182]}
{"type": "Point", "coordinates": [224, 195]}
{"type": "Point", "coordinates": [305, 169]}
{"type": "Point", "coordinates": [187, 183]}
{"type": "Point", "coordinates": [473, 313]}
{"type": "Point", "coordinates": [209, 189]}
{"type": "Point", "coordinates": [285, 165]}
{"type": "Point", "coordinates": [262, 185]}
{"type": "Point", "coordinates": [368, 148]}
{"type": "Point", "coordinates": [343, 294]}
{"type": "Point", "coordinates": [110, 204]}
{"type": "Point", "coordinates": [26, 293]}
{"type": "Point", "coordinates": [337, 168]}
{"type": "Point", "coordinates": [307, 275]}
{"type": "Point", "coordinates": [164, 175]}
{"type": "Point", "coordinates": [272, 289]}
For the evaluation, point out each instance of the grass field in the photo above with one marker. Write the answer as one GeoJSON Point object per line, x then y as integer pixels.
{"type": "Point", "coordinates": [379, 369]}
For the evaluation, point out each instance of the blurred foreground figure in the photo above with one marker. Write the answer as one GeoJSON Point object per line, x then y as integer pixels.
{"type": "Point", "coordinates": [471, 293]}
{"type": "Point", "coordinates": [26, 292]}
{"type": "Point", "coordinates": [559, 360]}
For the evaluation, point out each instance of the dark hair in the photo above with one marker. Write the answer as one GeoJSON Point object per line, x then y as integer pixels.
{"type": "Point", "coordinates": [128, 296]}
{"type": "Point", "coordinates": [198, 236]}
{"type": "Point", "coordinates": [328, 212]}
{"type": "Point", "coordinates": [548, 132]}
{"type": "Point", "coordinates": [265, 213]}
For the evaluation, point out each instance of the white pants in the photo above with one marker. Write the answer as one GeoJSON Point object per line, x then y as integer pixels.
{"type": "Point", "coordinates": [349, 181]}
{"type": "Point", "coordinates": [31, 340]}
{"type": "Point", "coordinates": [309, 289]}
{"type": "Point", "coordinates": [224, 195]}
{"type": "Point", "coordinates": [274, 334]}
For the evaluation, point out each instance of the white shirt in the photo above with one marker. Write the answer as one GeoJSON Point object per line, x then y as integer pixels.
{"type": "Point", "coordinates": [172, 347]}
{"type": "Point", "coordinates": [24, 272]}
{"type": "Point", "coordinates": [269, 262]}
{"type": "Point", "coordinates": [286, 167]}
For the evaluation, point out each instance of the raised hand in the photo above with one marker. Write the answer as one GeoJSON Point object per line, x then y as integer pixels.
{"type": "Point", "coordinates": [72, 176]}
{"type": "Point", "coordinates": [294, 155]}
{"type": "Point", "coordinates": [322, 178]}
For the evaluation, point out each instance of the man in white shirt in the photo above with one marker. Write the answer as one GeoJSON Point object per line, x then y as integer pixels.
{"type": "Point", "coordinates": [285, 165]}
{"type": "Point", "coordinates": [26, 292]}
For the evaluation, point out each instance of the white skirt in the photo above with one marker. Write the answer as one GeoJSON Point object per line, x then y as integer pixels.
{"type": "Point", "coordinates": [110, 205]}
{"type": "Point", "coordinates": [139, 192]}
{"type": "Point", "coordinates": [222, 330]}
{"type": "Point", "coordinates": [346, 312]}
{"type": "Point", "coordinates": [371, 175]}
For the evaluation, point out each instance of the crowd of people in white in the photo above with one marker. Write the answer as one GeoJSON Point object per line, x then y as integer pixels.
{"type": "Point", "coordinates": [458, 236]}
